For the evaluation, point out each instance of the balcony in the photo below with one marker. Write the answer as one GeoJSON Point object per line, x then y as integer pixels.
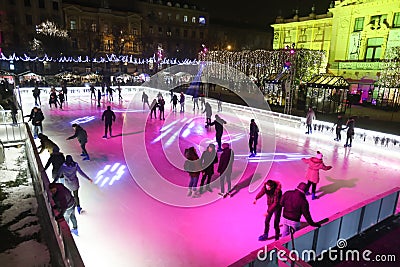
{"type": "Point", "coordinates": [357, 65]}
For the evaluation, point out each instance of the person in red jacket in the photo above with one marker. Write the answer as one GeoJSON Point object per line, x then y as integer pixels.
{"type": "Point", "coordinates": [273, 191]}
{"type": "Point", "coordinates": [314, 165]}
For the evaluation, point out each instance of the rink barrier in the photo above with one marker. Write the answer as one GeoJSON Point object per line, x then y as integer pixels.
{"type": "Point", "coordinates": [60, 241]}
{"type": "Point", "coordinates": [340, 226]}
{"type": "Point", "coordinates": [9, 132]}
{"type": "Point", "coordinates": [320, 128]}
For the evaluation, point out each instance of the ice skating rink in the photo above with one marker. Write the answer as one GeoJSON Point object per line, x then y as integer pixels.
{"type": "Point", "coordinates": [122, 225]}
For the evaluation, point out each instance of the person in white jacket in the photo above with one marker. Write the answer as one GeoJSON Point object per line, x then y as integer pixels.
{"type": "Point", "coordinates": [69, 170]}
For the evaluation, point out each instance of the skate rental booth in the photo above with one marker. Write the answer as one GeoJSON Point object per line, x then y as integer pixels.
{"type": "Point", "coordinates": [273, 88]}
{"type": "Point", "coordinates": [327, 93]}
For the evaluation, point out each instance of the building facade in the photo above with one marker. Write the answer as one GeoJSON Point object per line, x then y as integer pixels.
{"type": "Point", "coordinates": [172, 30]}
{"type": "Point", "coordinates": [356, 34]}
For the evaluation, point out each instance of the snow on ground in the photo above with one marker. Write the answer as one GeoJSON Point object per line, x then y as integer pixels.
{"type": "Point", "coordinates": [19, 224]}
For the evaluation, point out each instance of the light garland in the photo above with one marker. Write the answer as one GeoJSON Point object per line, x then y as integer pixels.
{"type": "Point", "coordinates": [108, 58]}
{"type": "Point", "coordinates": [49, 28]}
{"type": "Point", "coordinates": [390, 77]}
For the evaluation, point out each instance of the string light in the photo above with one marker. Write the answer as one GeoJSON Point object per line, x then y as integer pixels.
{"type": "Point", "coordinates": [50, 29]}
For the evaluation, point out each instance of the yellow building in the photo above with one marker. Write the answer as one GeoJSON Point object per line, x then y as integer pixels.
{"type": "Point", "coordinates": [355, 34]}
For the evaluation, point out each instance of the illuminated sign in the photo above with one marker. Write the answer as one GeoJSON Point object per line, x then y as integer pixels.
{"type": "Point", "coordinates": [109, 174]}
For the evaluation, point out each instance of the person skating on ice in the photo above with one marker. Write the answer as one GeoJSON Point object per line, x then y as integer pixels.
{"type": "Point", "coordinates": [339, 124]}
{"type": "Point", "coordinates": [82, 137]}
{"type": "Point", "coordinates": [202, 101]}
{"type": "Point", "coordinates": [193, 166]}
{"type": "Point", "coordinates": [69, 171]}
{"type": "Point", "coordinates": [110, 93]}
{"type": "Point", "coordinates": [195, 100]}
{"type": "Point", "coordinates": [145, 100]}
{"type": "Point", "coordinates": [53, 98]}
{"type": "Point", "coordinates": [350, 131]}
{"type": "Point", "coordinates": [108, 117]}
{"type": "Point", "coordinates": [37, 117]}
{"type": "Point", "coordinates": [219, 102]}
{"type": "Point", "coordinates": [92, 92]}
{"type": "Point", "coordinates": [314, 165]}
{"type": "Point", "coordinates": [208, 111]}
{"type": "Point", "coordinates": [273, 191]}
{"type": "Point", "coordinates": [56, 159]}
{"type": "Point", "coordinates": [61, 99]}
{"type": "Point", "coordinates": [119, 92]}
{"type": "Point", "coordinates": [253, 138]}
{"type": "Point", "coordinates": [153, 109]}
{"type": "Point", "coordinates": [208, 159]}
{"type": "Point", "coordinates": [65, 204]}
{"type": "Point", "coordinates": [45, 143]}
{"type": "Point", "coordinates": [182, 102]}
{"type": "Point", "coordinates": [219, 129]}
{"type": "Point", "coordinates": [309, 120]}
{"type": "Point", "coordinates": [294, 205]}
{"type": "Point", "coordinates": [225, 168]}
{"type": "Point", "coordinates": [98, 97]}
{"type": "Point", "coordinates": [36, 95]}
{"type": "Point", "coordinates": [174, 101]}
{"type": "Point", "coordinates": [64, 89]}
{"type": "Point", "coordinates": [161, 107]}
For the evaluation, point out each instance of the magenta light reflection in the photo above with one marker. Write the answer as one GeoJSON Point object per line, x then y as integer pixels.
{"type": "Point", "coordinates": [110, 174]}
{"type": "Point", "coordinates": [83, 120]}
{"type": "Point", "coordinates": [275, 157]}
{"type": "Point", "coordinates": [162, 135]}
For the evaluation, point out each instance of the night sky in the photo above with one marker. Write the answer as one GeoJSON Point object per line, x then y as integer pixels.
{"type": "Point", "coordinates": [259, 12]}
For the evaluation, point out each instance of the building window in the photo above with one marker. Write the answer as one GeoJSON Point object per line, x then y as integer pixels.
{"type": "Point", "coordinates": [151, 30]}
{"type": "Point", "coordinates": [201, 35]}
{"type": "Point", "coordinates": [169, 32]}
{"type": "Point", "coordinates": [193, 19]}
{"type": "Point", "coordinates": [177, 16]}
{"type": "Point", "coordinates": [28, 19]}
{"type": "Point", "coordinates": [374, 49]}
{"type": "Point", "coordinates": [74, 43]}
{"type": "Point", "coordinates": [135, 31]}
{"type": "Point", "coordinates": [177, 32]}
{"type": "Point", "coordinates": [359, 24]}
{"type": "Point", "coordinates": [185, 18]}
{"type": "Point", "coordinates": [41, 3]}
{"type": "Point", "coordinates": [55, 5]}
{"type": "Point", "coordinates": [319, 34]}
{"type": "Point", "coordinates": [303, 36]}
{"type": "Point", "coordinates": [105, 28]}
{"type": "Point", "coordinates": [72, 24]}
{"type": "Point", "coordinates": [396, 20]}
{"type": "Point", "coordinates": [27, 2]}
{"type": "Point", "coordinates": [193, 34]}
{"type": "Point", "coordinates": [160, 30]}
{"type": "Point", "coordinates": [169, 16]}
{"type": "Point", "coordinates": [94, 27]}
{"type": "Point", "coordinates": [160, 14]}
{"type": "Point", "coordinates": [202, 20]}
{"type": "Point", "coordinates": [287, 36]}
{"type": "Point", "coordinates": [185, 33]}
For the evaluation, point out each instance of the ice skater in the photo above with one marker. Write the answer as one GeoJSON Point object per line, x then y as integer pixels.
{"type": "Point", "coordinates": [36, 95]}
{"type": "Point", "coordinates": [195, 100]}
{"type": "Point", "coordinates": [82, 137]}
{"type": "Point", "coordinates": [53, 98]}
{"type": "Point", "coordinates": [145, 100]}
{"type": "Point", "coordinates": [174, 101]}
{"type": "Point", "coordinates": [253, 138]}
{"type": "Point", "coordinates": [219, 129]}
{"type": "Point", "coordinates": [37, 117]}
{"type": "Point", "coordinates": [110, 93]}
{"type": "Point", "coordinates": [61, 99]}
{"type": "Point", "coordinates": [153, 109]}
{"type": "Point", "coordinates": [350, 131]}
{"type": "Point", "coordinates": [208, 111]}
{"type": "Point", "coordinates": [193, 167]}
{"type": "Point", "coordinates": [273, 191]}
{"type": "Point", "coordinates": [56, 159]}
{"type": "Point", "coordinates": [182, 102]}
{"type": "Point", "coordinates": [314, 165]}
{"type": "Point", "coordinates": [219, 102]}
{"type": "Point", "coordinates": [295, 204]}
{"type": "Point", "coordinates": [45, 143]}
{"type": "Point", "coordinates": [309, 120]}
{"type": "Point", "coordinates": [64, 89]}
{"type": "Point", "coordinates": [98, 97]}
{"type": "Point", "coordinates": [225, 169]}
{"type": "Point", "coordinates": [92, 92]}
{"type": "Point", "coordinates": [339, 124]}
{"type": "Point", "coordinates": [119, 92]}
{"type": "Point", "coordinates": [208, 159]}
{"type": "Point", "coordinates": [161, 107]}
{"type": "Point", "coordinates": [65, 204]}
{"type": "Point", "coordinates": [69, 171]}
{"type": "Point", "coordinates": [108, 117]}
{"type": "Point", "coordinates": [202, 101]}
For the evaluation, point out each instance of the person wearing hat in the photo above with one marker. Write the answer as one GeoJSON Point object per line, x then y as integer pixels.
{"type": "Point", "coordinates": [45, 143]}
{"type": "Point", "coordinates": [82, 137]}
{"type": "Point", "coordinates": [294, 205]}
{"type": "Point", "coordinates": [56, 159]}
{"type": "Point", "coordinates": [208, 159]}
{"type": "Point", "coordinates": [314, 165]}
{"type": "Point", "coordinates": [225, 168]}
{"type": "Point", "coordinates": [253, 139]}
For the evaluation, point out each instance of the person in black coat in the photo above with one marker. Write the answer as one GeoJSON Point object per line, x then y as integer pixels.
{"type": "Point", "coordinates": [64, 203]}
{"type": "Point", "coordinates": [208, 159]}
{"type": "Point", "coordinates": [56, 159]}
{"type": "Point", "coordinates": [53, 98]}
{"type": "Point", "coordinates": [295, 204]}
{"type": "Point", "coordinates": [153, 109]}
{"type": "Point", "coordinates": [36, 95]}
{"type": "Point", "coordinates": [350, 131]}
{"type": "Point", "coordinates": [225, 168]}
{"type": "Point", "coordinates": [98, 97]}
{"type": "Point", "coordinates": [208, 111]}
{"type": "Point", "coordinates": [82, 137]}
{"type": "Point", "coordinates": [174, 101]}
{"type": "Point", "coordinates": [37, 118]}
{"type": "Point", "coordinates": [108, 117]}
{"type": "Point", "coordinates": [61, 98]}
{"type": "Point", "coordinates": [273, 191]}
{"type": "Point", "coordinates": [253, 139]}
{"type": "Point", "coordinates": [339, 124]}
{"type": "Point", "coordinates": [161, 105]}
{"type": "Point", "coordinates": [219, 129]}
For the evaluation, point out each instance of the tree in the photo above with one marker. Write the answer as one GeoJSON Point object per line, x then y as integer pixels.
{"type": "Point", "coordinates": [50, 40]}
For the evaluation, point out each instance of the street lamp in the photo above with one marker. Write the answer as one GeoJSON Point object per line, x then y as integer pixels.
{"type": "Point", "coordinates": [229, 47]}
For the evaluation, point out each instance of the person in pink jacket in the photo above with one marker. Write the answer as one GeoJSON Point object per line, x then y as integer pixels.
{"type": "Point", "coordinates": [314, 165]}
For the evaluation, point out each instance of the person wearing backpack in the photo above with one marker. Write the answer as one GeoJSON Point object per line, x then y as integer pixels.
{"type": "Point", "coordinates": [81, 135]}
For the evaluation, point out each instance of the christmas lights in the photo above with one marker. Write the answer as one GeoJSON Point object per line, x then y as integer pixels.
{"type": "Point", "coordinates": [50, 29]}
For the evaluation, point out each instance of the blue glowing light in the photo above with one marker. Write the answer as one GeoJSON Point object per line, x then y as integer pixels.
{"type": "Point", "coordinates": [110, 174]}
{"type": "Point", "coordinates": [274, 157]}
{"type": "Point", "coordinates": [83, 120]}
